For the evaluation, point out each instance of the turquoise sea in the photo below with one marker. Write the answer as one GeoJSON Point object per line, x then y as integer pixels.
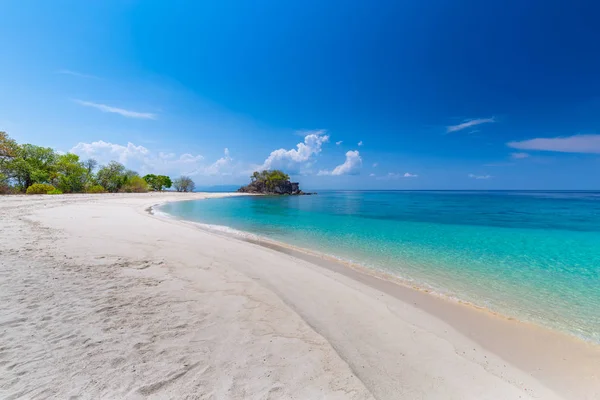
{"type": "Point", "coordinates": [530, 255]}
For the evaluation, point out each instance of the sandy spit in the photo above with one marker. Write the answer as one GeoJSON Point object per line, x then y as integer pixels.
{"type": "Point", "coordinates": [100, 299]}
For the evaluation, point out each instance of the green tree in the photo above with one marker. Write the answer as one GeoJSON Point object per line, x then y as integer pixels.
{"type": "Point", "coordinates": [164, 182]}
{"type": "Point", "coordinates": [158, 182]}
{"type": "Point", "coordinates": [184, 184]}
{"type": "Point", "coordinates": [276, 177]}
{"type": "Point", "coordinates": [113, 176]}
{"type": "Point", "coordinates": [90, 165]}
{"type": "Point", "coordinates": [151, 180]}
{"type": "Point", "coordinates": [255, 176]}
{"type": "Point", "coordinates": [8, 151]}
{"type": "Point", "coordinates": [130, 174]}
{"type": "Point", "coordinates": [71, 174]}
{"type": "Point", "coordinates": [32, 164]}
{"type": "Point", "coordinates": [8, 146]}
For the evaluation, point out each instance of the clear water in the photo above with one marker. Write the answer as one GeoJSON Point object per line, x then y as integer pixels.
{"type": "Point", "coordinates": [531, 255]}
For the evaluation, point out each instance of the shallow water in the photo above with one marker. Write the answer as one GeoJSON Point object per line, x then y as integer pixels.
{"type": "Point", "coordinates": [531, 255]}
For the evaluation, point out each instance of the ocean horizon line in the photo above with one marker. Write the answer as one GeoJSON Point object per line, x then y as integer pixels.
{"type": "Point", "coordinates": [204, 189]}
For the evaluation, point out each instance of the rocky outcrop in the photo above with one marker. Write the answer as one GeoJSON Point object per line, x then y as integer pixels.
{"type": "Point", "coordinates": [285, 187]}
{"type": "Point", "coordinates": [271, 182]}
{"type": "Point", "coordinates": [288, 187]}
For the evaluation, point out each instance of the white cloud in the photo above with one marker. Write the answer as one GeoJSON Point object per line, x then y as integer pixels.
{"type": "Point", "coordinates": [339, 142]}
{"type": "Point", "coordinates": [75, 73]}
{"type": "Point", "coordinates": [360, 143]}
{"type": "Point", "coordinates": [469, 123]}
{"type": "Point", "coordinates": [351, 166]}
{"type": "Point", "coordinates": [115, 110]}
{"type": "Point", "coordinates": [375, 165]}
{"type": "Point", "coordinates": [371, 174]}
{"type": "Point", "coordinates": [292, 161]}
{"type": "Point", "coordinates": [395, 175]}
{"type": "Point", "coordinates": [519, 155]}
{"type": "Point", "coordinates": [569, 144]}
{"type": "Point", "coordinates": [104, 152]}
{"type": "Point", "coordinates": [139, 158]}
{"type": "Point", "coordinates": [187, 157]}
{"type": "Point", "coordinates": [223, 166]}
{"type": "Point", "coordinates": [473, 176]}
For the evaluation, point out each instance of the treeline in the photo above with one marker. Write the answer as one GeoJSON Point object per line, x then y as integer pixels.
{"type": "Point", "coordinates": [31, 169]}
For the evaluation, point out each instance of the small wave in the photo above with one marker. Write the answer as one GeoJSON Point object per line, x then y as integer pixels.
{"type": "Point", "coordinates": [228, 231]}
{"type": "Point", "coordinates": [155, 211]}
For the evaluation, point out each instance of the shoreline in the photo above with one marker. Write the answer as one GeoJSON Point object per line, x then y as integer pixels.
{"type": "Point", "coordinates": [336, 263]}
{"type": "Point", "coordinates": [107, 300]}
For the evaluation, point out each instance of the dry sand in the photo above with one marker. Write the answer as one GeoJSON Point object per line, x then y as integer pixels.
{"type": "Point", "coordinates": [100, 299]}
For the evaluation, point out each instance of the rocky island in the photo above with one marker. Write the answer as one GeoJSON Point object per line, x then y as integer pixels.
{"type": "Point", "coordinates": [272, 182]}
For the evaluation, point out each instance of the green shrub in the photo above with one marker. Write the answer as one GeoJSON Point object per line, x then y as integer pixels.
{"type": "Point", "coordinates": [40, 188]}
{"type": "Point", "coordinates": [135, 184]}
{"type": "Point", "coordinates": [55, 191]}
{"type": "Point", "coordinates": [96, 189]}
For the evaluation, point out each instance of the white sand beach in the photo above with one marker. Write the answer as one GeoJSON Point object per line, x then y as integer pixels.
{"type": "Point", "coordinates": [101, 299]}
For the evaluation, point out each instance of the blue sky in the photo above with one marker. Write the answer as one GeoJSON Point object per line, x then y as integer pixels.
{"type": "Point", "coordinates": [343, 94]}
